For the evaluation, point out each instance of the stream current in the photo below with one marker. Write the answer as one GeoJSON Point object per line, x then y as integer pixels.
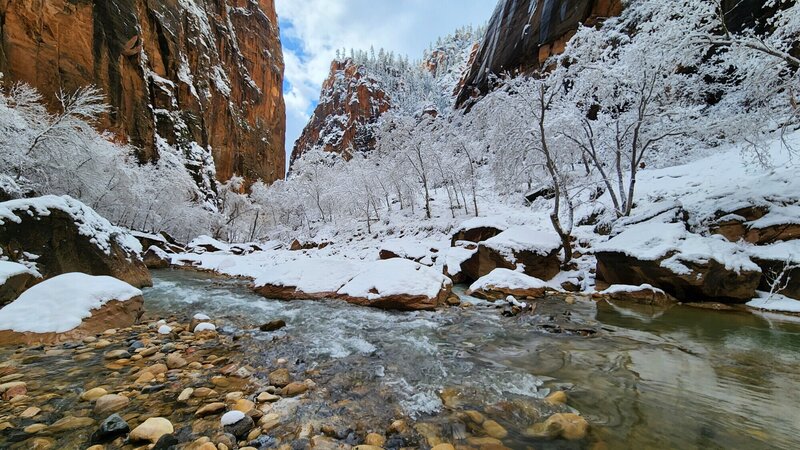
{"type": "Point", "coordinates": [643, 377]}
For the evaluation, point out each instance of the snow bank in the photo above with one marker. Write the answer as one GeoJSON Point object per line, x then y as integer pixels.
{"type": "Point", "coordinates": [775, 303]}
{"type": "Point", "coordinates": [524, 239]}
{"type": "Point", "coordinates": [312, 276]}
{"type": "Point", "coordinates": [507, 279]}
{"type": "Point", "coordinates": [90, 224]}
{"type": "Point", "coordinates": [61, 303]}
{"type": "Point", "coordinates": [12, 269]}
{"type": "Point", "coordinates": [395, 277]}
{"type": "Point", "coordinates": [787, 252]}
{"type": "Point", "coordinates": [652, 241]}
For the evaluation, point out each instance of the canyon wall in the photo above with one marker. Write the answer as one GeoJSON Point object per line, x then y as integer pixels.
{"type": "Point", "coordinates": [193, 74]}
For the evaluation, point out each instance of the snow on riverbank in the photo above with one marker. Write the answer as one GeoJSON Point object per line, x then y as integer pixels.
{"type": "Point", "coordinates": [61, 303]}
{"type": "Point", "coordinates": [775, 302]}
{"type": "Point", "coordinates": [671, 221]}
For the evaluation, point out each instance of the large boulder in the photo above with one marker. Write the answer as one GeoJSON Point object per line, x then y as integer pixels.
{"type": "Point", "coordinates": [156, 258]}
{"type": "Point", "coordinates": [478, 229]}
{"type": "Point", "coordinates": [161, 240]}
{"type": "Point", "coordinates": [307, 278]}
{"type": "Point", "coordinates": [14, 280]}
{"type": "Point", "coordinates": [501, 283]}
{"type": "Point", "coordinates": [397, 284]}
{"type": "Point", "coordinates": [62, 235]}
{"type": "Point", "coordinates": [67, 307]}
{"type": "Point", "coordinates": [535, 252]}
{"type": "Point", "coordinates": [203, 244]}
{"type": "Point", "coordinates": [687, 266]}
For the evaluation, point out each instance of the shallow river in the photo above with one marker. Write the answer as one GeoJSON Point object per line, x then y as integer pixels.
{"type": "Point", "coordinates": [643, 377]}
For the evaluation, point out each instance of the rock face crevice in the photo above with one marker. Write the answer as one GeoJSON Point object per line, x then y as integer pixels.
{"type": "Point", "coordinates": [191, 73]}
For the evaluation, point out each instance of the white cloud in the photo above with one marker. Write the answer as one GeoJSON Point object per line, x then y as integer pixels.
{"type": "Point", "coordinates": [313, 30]}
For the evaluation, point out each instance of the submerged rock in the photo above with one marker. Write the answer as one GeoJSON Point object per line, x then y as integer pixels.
{"type": "Point", "coordinates": [113, 427]}
{"type": "Point", "coordinates": [272, 326]}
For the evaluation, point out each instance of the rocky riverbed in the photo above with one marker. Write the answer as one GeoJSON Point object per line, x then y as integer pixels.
{"type": "Point", "coordinates": [159, 385]}
{"type": "Point", "coordinates": [571, 374]}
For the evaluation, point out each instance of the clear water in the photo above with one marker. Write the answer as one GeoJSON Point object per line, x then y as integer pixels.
{"type": "Point", "coordinates": [646, 378]}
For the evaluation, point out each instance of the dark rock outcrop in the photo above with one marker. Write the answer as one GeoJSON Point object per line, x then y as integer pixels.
{"type": "Point", "coordinates": [523, 34]}
{"type": "Point", "coordinates": [63, 235]}
{"type": "Point", "coordinates": [703, 281]}
{"type": "Point", "coordinates": [475, 233]}
{"type": "Point", "coordinates": [203, 74]}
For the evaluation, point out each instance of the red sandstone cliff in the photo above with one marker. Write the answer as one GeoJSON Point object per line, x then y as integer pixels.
{"type": "Point", "coordinates": [350, 105]}
{"type": "Point", "coordinates": [208, 72]}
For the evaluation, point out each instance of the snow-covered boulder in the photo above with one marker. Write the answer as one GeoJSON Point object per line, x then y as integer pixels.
{"type": "Point", "coordinates": [535, 252]}
{"type": "Point", "coordinates": [308, 278]}
{"type": "Point", "coordinates": [14, 279]}
{"type": "Point", "coordinates": [397, 284]}
{"type": "Point", "coordinates": [761, 224]}
{"type": "Point", "coordinates": [479, 229]}
{"type": "Point", "coordinates": [390, 284]}
{"type": "Point", "coordinates": [203, 244]}
{"type": "Point", "coordinates": [687, 266]}
{"type": "Point", "coordinates": [62, 235]}
{"type": "Point", "coordinates": [161, 240]}
{"type": "Point", "coordinates": [452, 258]}
{"type": "Point", "coordinates": [423, 251]}
{"type": "Point", "coordinates": [643, 295]}
{"type": "Point", "coordinates": [501, 283]}
{"type": "Point", "coordinates": [69, 306]}
{"type": "Point", "coordinates": [297, 245]}
{"type": "Point", "coordinates": [156, 258]}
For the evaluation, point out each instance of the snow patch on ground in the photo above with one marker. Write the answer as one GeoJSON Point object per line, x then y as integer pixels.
{"type": "Point", "coordinates": [775, 302]}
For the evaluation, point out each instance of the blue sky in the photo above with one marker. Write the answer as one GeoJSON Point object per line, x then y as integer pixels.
{"type": "Point", "coordinates": [312, 30]}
